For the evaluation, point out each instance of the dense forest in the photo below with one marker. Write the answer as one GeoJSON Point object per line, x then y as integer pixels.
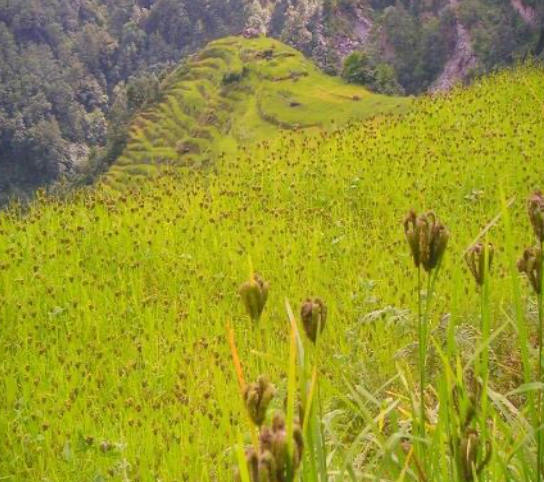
{"type": "Point", "coordinates": [71, 68]}
{"type": "Point", "coordinates": [73, 72]}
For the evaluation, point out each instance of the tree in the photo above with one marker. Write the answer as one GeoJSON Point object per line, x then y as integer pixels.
{"type": "Point", "coordinates": [361, 68]}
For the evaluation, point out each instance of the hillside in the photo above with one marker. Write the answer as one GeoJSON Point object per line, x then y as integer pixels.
{"type": "Point", "coordinates": [115, 364]}
{"type": "Point", "coordinates": [235, 93]}
{"type": "Point", "coordinates": [73, 73]}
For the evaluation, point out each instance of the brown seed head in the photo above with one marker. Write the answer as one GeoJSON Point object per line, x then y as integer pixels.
{"type": "Point", "coordinates": [531, 265]}
{"type": "Point", "coordinates": [268, 471]}
{"type": "Point", "coordinates": [475, 259]}
{"type": "Point", "coordinates": [280, 449]}
{"type": "Point", "coordinates": [411, 230]}
{"type": "Point", "coordinates": [252, 459]}
{"type": "Point", "coordinates": [469, 450]}
{"type": "Point", "coordinates": [471, 453]}
{"type": "Point", "coordinates": [314, 317]}
{"type": "Point", "coordinates": [427, 238]}
{"type": "Point", "coordinates": [272, 461]}
{"type": "Point", "coordinates": [535, 207]}
{"type": "Point", "coordinates": [257, 398]}
{"type": "Point", "coordinates": [254, 294]}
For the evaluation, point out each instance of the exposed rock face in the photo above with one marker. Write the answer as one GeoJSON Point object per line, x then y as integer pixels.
{"type": "Point", "coordinates": [78, 153]}
{"type": "Point", "coordinates": [527, 13]}
{"type": "Point", "coordinates": [250, 33]}
{"type": "Point", "coordinates": [361, 27]}
{"type": "Point", "coordinates": [461, 62]}
{"type": "Point", "coordinates": [302, 24]}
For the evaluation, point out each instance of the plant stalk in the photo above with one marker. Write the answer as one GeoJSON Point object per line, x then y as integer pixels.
{"type": "Point", "coordinates": [539, 371]}
{"type": "Point", "coordinates": [421, 356]}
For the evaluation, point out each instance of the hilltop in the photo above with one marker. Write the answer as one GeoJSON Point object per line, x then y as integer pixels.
{"type": "Point", "coordinates": [115, 364]}
{"type": "Point", "coordinates": [234, 93]}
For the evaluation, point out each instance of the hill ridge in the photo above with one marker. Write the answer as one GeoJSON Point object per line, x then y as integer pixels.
{"type": "Point", "coordinates": [233, 92]}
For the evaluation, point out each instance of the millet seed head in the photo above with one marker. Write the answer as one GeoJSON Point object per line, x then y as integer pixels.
{"type": "Point", "coordinates": [469, 450]}
{"type": "Point", "coordinates": [257, 398]}
{"type": "Point", "coordinates": [428, 239]}
{"type": "Point", "coordinates": [280, 449]}
{"type": "Point", "coordinates": [531, 265]}
{"type": "Point", "coordinates": [254, 294]}
{"type": "Point", "coordinates": [268, 471]}
{"type": "Point", "coordinates": [475, 258]}
{"type": "Point", "coordinates": [273, 462]}
{"type": "Point", "coordinates": [314, 316]}
{"type": "Point", "coordinates": [471, 453]}
{"type": "Point", "coordinates": [411, 230]}
{"type": "Point", "coordinates": [535, 208]}
{"type": "Point", "coordinates": [253, 463]}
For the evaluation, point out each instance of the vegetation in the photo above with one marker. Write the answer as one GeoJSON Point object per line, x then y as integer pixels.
{"type": "Point", "coordinates": [66, 67]}
{"type": "Point", "coordinates": [115, 359]}
{"type": "Point", "coordinates": [418, 38]}
{"type": "Point", "coordinates": [499, 35]}
{"type": "Point", "coordinates": [70, 71]}
{"type": "Point", "coordinates": [361, 68]}
{"type": "Point", "coordinates": [420, 48]}
{"type": "Point", "coordinates": [232, 94]}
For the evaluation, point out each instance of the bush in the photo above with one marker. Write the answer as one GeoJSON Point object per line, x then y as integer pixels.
{"type": "Point", "coordinates": [234, 76]}
{"type": "Point", "coordinates": [361, 68]}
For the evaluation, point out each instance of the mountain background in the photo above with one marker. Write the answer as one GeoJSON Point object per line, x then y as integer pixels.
{"type": "Point", "coordinates": [74, 72]}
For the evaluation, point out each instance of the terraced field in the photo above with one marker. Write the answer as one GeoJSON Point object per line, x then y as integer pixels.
{"type": "Point", "coordinates": [234, 93]}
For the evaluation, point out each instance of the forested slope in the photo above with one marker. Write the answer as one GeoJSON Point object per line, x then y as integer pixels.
{"type": "Point", "coordinates": [73, 72]}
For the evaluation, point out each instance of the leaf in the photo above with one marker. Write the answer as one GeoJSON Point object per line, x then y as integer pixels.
{"type": "Point", "coordinates": [67, 453]}
{"type": "Point", "coordinates": [526, 387]}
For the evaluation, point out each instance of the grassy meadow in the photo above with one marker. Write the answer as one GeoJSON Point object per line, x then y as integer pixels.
{"type": "Point", "coordinates": [114, 359]}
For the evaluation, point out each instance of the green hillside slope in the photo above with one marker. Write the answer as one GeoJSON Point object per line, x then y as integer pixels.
{"type": "Point", "coordinates": [239, 91]}
{"type": "Point", "coordinates": [113, 358]}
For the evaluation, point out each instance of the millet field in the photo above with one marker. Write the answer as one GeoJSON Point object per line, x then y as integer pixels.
{"type": "Point", "coordinates": [387, 346]}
